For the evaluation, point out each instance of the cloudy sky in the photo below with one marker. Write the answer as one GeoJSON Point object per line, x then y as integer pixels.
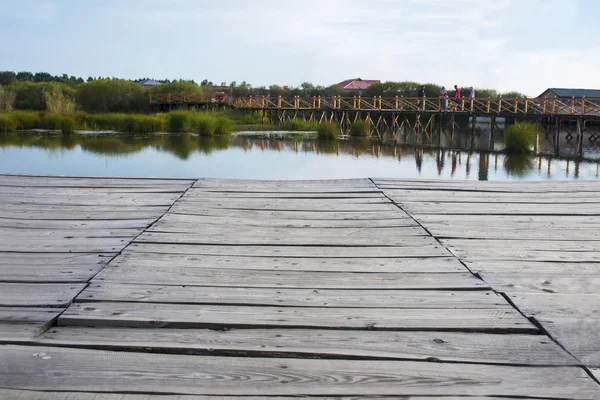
{"type": "Point", "coordinates": [525, 45]}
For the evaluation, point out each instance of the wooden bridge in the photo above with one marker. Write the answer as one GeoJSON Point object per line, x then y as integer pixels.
{"type": "Point", "coordinates": [366, 288]}
{"type": "Point", "coordinates": [479, 106]}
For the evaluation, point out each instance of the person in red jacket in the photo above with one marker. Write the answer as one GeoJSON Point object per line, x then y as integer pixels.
{"type": "Point", "coordinates": [457, 97]}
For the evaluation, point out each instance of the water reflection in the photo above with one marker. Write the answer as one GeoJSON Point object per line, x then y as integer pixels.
{"type": "Point", "coordinates": [269, 157]}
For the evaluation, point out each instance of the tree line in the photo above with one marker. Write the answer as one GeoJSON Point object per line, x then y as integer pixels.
{"type": "Point", "coordinates": [62, 93]}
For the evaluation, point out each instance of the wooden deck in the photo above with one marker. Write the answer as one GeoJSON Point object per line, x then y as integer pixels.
{"type": "Point", "coordinates": [351, 289]}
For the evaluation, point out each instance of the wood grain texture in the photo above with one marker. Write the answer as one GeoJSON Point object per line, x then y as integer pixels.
{"type": "Point", "coordinates": [391, 213]}
{"type": "Point", "coordinates": [423, 207]}
{"type": "Point", "coordinates": [37, 294]}
{"type": "Point", "coordinates": [144, 315]}
{"type": "Point", "coordinates": [579, 335]}
{"type": "Point", "coordinates": [99, 371]}
{"type": "Point", "coordinates": [75, 223]}
{"type": "Point", "coordinates": [160, 262]}
{"type": "Point", "coordinates": [191, 223]}
{"type": "Point", "coordinates": [51, 267]}
{"type": "Point", "coordinates": [126, 292]}
{"type": "Point", "coordinates": [481, 348]}
{"type": "Point", "coordinates": [87, 182]}
{"type": "Point", "coordinates": [289, 279]}
{"type": "Point", "coordinates": [397, 237]}
{"type": "Point", "coordinates": [32, 395]}
{"type": "Point", "coordinates": [292, 251]}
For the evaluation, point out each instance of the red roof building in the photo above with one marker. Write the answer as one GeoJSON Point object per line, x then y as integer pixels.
{"type": "Point", "coordinates": [357, 85]}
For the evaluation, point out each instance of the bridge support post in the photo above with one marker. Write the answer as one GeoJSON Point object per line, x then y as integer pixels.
{"type": "Point", "coordinates": [557, 126]}
{"type": "Point", "coordinates": [579, 137]}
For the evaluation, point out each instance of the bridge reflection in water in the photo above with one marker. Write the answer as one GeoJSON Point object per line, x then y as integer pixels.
{"type": "Point", "coordinates": [430, 157]}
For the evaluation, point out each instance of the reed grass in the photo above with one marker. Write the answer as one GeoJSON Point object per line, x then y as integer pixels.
{"type": "Point", "coordinates": [8, 123]}
{"type": "Point", "coordinates": [27, 119]}
{"type": "Point", "coordinates": [360, 129]}
{"type": "Point", "coordinates": [327, 131]}
{"type": "Point", "coordinates": [179, 122]}
{"type": "Point", "coordinates": [520, 138]}
{"type": "Point", "coordinates": [68, 124]}
{"type": "Point", "coordinates": [299, 125]}
{"type": "Point", "coordinates": [203, 123]}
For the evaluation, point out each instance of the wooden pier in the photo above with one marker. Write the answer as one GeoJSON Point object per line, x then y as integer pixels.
{"type": "Point", "coordinates": [365, 288]}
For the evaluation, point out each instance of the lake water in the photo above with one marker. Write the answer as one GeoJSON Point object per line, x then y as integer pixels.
{"type": "Point", "coordinates": [268, 156]}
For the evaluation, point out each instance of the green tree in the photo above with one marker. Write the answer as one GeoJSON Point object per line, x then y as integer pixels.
{"type": "Point", "coordinates": [7, 77]}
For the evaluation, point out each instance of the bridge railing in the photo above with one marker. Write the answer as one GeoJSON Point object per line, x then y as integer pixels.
{"type": "Point", "coordinates": [515, 106]}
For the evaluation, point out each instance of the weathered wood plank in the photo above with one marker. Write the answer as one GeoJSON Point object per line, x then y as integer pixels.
{"type": "Point", "coordinates": [85, 182]}
{"type": "Point", "coordinates": [38, 295]}
{"type": "Point", "coordinates": [63, 245]}
{"type": "Point", "coordinates": [51, 267]}
{"type": "Point", "coordinates": [540, 283]}
{"type": "Point", "coordinates": [126, 292]}
{"type": "Point", "coordinates": [506, 233]}
{"type": "Point", "coordinates": [291, 214]}
{"type": "Point", "coordinates": [153, 261]}
{"type": "Point", "coordinates": [397, 237]}
{"type": "Point", "coordinates": [191, 223]}
{"type": "Point", "coordinates": [466, 245]}
{"type": "Point", "coordinates": [46, 395]}
{"type": "Point", "coordinates": [75, 223]}
{"type": "Point", "coordinates": [26, 321]}
{"type": "Point", "coordinates": [456, 208]}
{"type": "Point", "coordinates": [282, 185]}
{"type": "Point", "coordinates": [290, 207]}
{"type": "Point", "coordinates": [578, 335]}
{"type": "Point", "coordinates": [532, 267]}
{"type": "Point", "coordinates": [20, 332]}
{"type": "Point", "coordinates": [200, 199]}
{"type": "Point", "coordinates": [43, 234]}
{"type": "Point", "coordinates": [325, 194]}
{"type": "Point", "coordinates": [548, 305]}
{"type": "Point", "coordinates": [524, 254]}
{"type": "Point", "coordinates": [100, 371]}
{"type": "Point", "coordinates": [445, 196]}
{"type": "Point", "coordinates": [425, 346]}
{"type": "Point", "coordinates": [288, 279]}
{"type": "Point", "coordinates": [140, 315]}
{"type": "Point", "coordinates": [475, 186]}
{"type": "Point", "coordinates": [51, 215]}
{"type": "Point", "coordinates": [292, 251]}
{"type": "Point", "coordinates": [23, 208]}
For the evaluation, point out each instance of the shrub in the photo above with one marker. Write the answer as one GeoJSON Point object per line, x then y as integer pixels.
{"type": "Point", "coordinates": [327, 130]}
{"type": "Point", "coordinates": [179, 121]}
{"type": "Point", "coordinates": [8, 123]}
{"type": "Point", "coordinates": [520, 138]}
{"type": "Point", "coordinates": [360, 129]}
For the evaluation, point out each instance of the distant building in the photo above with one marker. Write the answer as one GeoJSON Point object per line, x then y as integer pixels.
{"type": "Point", "coordinates": [570, 93]}
{"type": "Point", "coordinates": [150, 82]}
{"type": "Point", "coordinates": [357, 85]}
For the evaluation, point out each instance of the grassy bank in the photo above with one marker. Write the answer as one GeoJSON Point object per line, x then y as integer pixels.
{"type": "Point", "coordinates": [203, 123]}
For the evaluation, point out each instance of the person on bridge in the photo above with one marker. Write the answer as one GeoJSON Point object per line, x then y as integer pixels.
{"type": "Point", "coordinates": [422, 98]}
{"type": "Point", "coordinates": [472, 94]}
{"type": "Point", "coordinates": [456, 98]}
{"type": "Point", "coordinates": [443, 99]}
